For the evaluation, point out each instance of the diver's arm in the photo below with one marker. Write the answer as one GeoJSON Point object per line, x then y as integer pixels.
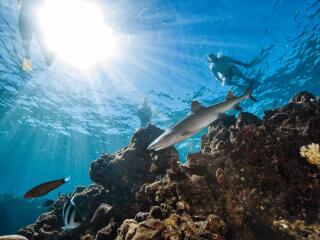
{"type": "Point", "coordinates": [217, 76]}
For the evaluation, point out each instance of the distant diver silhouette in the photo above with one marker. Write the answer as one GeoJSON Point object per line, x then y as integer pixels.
{"type": "Point", "coordinates": [29, 25]}
{"type": "Point", "coordinates": [144, 113]}
{"type": "Point", "coordinates": [225, 70]}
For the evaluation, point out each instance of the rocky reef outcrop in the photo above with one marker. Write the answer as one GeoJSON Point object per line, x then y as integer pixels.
{"type": "Point", "coordinates": [247, 182]}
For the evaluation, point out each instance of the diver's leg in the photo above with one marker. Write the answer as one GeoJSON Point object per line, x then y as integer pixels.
{"type": "Point", "coordinates": [248, 80]}
{"type": "Point", "coordinates": [49, 56]}
{"type": "Point", "coordinates": [236, 72]}
{"type": "Point", "coordinates": [234, 81]}
{"type": "Point", "coordinates": [26, 32]}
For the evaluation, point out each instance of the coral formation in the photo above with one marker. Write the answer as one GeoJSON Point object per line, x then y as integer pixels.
{"type": "Point", "coordinates": [312, 153]}
{"type": "Point", "coordinates": [247, 182]}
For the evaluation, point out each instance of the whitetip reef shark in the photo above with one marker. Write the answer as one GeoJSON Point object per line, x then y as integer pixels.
{"type": "Point", "coordinates": [199, 118]}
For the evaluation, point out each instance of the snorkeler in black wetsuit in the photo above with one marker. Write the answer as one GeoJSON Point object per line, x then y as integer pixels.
{"type": "Point", "coordinates": [29, 25]}
{"type": "Point", "coordinates": [144, 113]}
{"type": "Point", "coordinates": [225, 70]}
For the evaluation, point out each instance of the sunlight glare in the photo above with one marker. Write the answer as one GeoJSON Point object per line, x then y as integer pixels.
{"type": "Point", "coordinates": [75, 30]}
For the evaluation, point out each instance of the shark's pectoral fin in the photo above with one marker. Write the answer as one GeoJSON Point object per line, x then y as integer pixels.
{"type": "Point", "coordinates": [237, 107]}
{"type": "Point", "coordinates": [230, 95]}
{"type": "Point", "coordinates": [196, 106]}
{"type": "Point", "coordinates": [190, 133]}
{"type": "Point", "coordinates": [186, 133]}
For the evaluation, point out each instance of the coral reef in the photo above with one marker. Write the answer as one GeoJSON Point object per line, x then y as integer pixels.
{"type": "Point", "coordinates": [249, 181]}
{"type": "Point", "coordinates": [312, 153]}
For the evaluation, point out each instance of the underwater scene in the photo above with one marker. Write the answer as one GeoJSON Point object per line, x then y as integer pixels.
{"type": "Point", "coordinates": [159, 119]}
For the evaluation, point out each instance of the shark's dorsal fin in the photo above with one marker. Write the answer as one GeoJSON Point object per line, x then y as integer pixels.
{"type": "Point", "coordinates": [230, 95]}
{"type": "Point", "coordinates": [237, 107]}
{"type": "Point", "coordinates": [196, 106]}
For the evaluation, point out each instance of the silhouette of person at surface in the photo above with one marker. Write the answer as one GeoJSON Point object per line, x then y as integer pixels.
{"type": "Point", "coordinates": [29, 25]}
{"type": "Point", "coordinates": [225, 70]}
{"type": "Point", "coordinates": [144, 113]}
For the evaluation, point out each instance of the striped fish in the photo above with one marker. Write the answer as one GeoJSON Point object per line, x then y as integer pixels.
{"type": "Point", "coordinates": [71, 216]}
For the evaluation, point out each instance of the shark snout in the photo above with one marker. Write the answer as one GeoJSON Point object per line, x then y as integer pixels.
{"type": "Point", "coordinates": [162, 142]}
{"type": "Point", "coordinates": [152, 145]}
{"type": "Point", "coordinates": [157, 145]}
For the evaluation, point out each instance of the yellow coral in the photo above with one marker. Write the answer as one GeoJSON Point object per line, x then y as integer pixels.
{"type": "Point", "coordinates": [311, 153]}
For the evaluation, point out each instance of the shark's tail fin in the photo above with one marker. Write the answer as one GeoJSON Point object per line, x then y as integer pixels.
{"type": "Point", "coordinates": [249, 92]}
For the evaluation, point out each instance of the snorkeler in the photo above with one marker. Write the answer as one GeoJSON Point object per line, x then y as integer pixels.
{"type": "Point", "coordinates": [225, 70]}
{"type": "Point", "coordinates": [144, 113]}
{"type": "Point", "coordinates": [29, 25]}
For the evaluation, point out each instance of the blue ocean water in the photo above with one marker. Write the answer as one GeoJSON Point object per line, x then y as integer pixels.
{"type": "Point", "coordinates": [55, 120]}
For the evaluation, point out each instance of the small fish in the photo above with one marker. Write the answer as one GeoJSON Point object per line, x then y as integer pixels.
{"type": "Point", "coordinates": [45, 188]}
{"type": "Point", "coordinates": [71, 216]}
{"type": "Point", "coordinates": [199, 118]}
{"type": "Point", "coordinates": [13, 237]}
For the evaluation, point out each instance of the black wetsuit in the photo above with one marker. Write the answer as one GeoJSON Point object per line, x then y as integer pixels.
{"type": "Point", "coordinates": [227, 72]}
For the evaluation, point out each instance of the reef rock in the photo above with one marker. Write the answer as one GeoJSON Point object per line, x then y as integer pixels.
{"type": "Point", "coordinates": [124, 172]}
{"type": "Point", "coordinates": [249, 181]}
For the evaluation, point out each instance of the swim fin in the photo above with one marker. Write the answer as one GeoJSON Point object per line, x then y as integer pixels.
{"type": "Point", "coordinates": [27, 65]}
